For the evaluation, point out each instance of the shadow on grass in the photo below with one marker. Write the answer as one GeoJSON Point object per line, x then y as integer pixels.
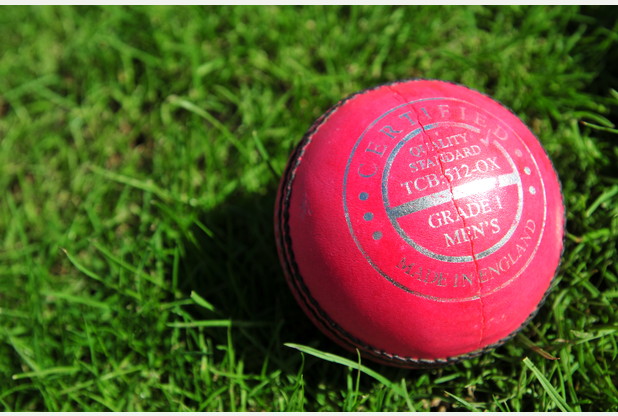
{"type": "Point", "coordinates": [236, 268]}
{"type": "Point", "coordinates": [604, 19]}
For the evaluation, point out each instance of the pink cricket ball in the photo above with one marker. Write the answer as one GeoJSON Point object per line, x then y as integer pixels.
{"type": "Point", "coordinates": [420, 222]}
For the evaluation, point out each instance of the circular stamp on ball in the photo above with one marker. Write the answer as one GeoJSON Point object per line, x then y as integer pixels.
{"type": "Point", "coordinates": [444, 199]}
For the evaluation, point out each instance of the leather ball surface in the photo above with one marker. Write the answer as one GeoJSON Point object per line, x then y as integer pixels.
{"type": "Point", "coordinates": [420, 222]}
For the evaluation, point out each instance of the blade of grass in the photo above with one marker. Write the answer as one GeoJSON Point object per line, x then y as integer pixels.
{"type": "Point", "coordinates": [200, 301]}
{"type": "Point", "coordinates": [46, 372]}
{"type": "Point", "coordinates": [606, 196]}
{"type": "Point", "coordinates": [98, 278]}
{"type": "Point", "coordinates": [549, 389]}
{"type": "Point", "coordinates": [226, 323]}
{"type": "Point", "coordinates": [77, 299]}
{"type": "Point", "coordinates": [191, 107]}
{"type": "Point", "coordinates": [264, 153]}
{"type": "Point", "coordinates": [464, 403]}
{"type": "Point", "coordinates": [529, 344]}
{"type": "Point", "coordinates": [327, 356]}
{"type": "Point", "coordinates": [120, 262]}
{"type": "Point", "coordinates": [144, 185]}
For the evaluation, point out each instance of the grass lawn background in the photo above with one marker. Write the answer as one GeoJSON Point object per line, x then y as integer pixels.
{"type": "Point", "coordinates": [140, 151]}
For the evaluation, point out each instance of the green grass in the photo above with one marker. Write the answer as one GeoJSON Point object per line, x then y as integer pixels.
{"type": "Point", "coordinates": [140, 150]}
